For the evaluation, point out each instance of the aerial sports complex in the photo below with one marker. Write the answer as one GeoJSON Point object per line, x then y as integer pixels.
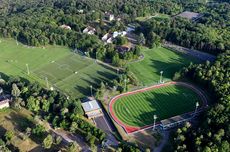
{"type": "Point", "coordinates": [163, 105]}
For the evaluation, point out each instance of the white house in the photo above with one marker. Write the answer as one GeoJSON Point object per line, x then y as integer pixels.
{"type": "Point", "coordinates": [115, 34]}
{"type": "Point", "coordinates": [89, 30]}
{"type": "Point", "coordinates": [107, 38]}
{"type": "Point", "coordinates": [130, 28]}
{"type": "Point", "coordinates": [109, 16]}
{"type": "Point", "coordinates": [4, 101]}
{"type": "Point", "coordinates": [65, 27]}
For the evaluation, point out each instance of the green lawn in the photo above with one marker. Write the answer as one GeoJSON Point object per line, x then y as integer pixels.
{"type": "Point", "coordinates": [159, 59]}
{"type": "Point", "coordinates": [157, 16]}
{"type": "Point", "coordinates": [168, 101]}
{"type": "Point", "coordinates": [65, 70]}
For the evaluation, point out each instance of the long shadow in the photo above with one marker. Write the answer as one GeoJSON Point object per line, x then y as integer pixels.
{"type": "Point", "coordinates": [170, 67]}
{"type": "Point", "coordinates": [21, 122]}
{"type": "Point", "coordinates": [159, 104]}
{"type": "Point", "coordinates": [95, 82]}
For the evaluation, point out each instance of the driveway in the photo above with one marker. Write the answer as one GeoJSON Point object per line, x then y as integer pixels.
{"type": "Point", "coordinates": [103, 123]}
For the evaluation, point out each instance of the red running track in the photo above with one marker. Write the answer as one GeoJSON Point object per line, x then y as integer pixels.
{"type": "Point", "coordinates": [131, 129]}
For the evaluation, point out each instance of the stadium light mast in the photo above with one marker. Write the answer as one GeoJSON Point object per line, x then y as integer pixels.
{"type": "Point", "coordinates": [125, 83]}
{"type": "Point", "coordinates": [47, 83]}
{"type": "Point", "coordinates": [91, 90]}
{"type": "Point", "coordinates": [28, 70]}
{"type": "Point", "coordinates": [161, 77]}
{"type": "Point", "coordinates": [16, 40]}
{"type": "Point", "coordinates": [154, 123]}
{"type": "Point", "coordinates": [197, 105]}
{"type": "Point", "coordinates": [117, 71]}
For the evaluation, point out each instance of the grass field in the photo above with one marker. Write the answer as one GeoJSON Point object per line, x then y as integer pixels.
{"type": "Point", "coordinates": [138, 109]}
{"type": "Point", "coordinates": [157, 16]}
{"type": "Point", "coordinates": [159, 59]}
{"type": "Point", "coordinates": [65, 70]}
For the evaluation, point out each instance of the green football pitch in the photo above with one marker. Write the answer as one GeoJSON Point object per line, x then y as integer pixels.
{"type": "Point", "coordinates": [64, 70]}
{"type": "Point", "coordinates": [137, 109]}
{"type": "Point", "coordinates": [155, 60]}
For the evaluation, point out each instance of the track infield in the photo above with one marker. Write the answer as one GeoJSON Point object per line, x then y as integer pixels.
{"type": "Point", "coordinates": [134, 110]}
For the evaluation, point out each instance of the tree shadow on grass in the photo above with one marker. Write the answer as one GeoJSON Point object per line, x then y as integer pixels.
{"type": "Point", "coordinates": [160, 105]}
{"type": "Point", "coordinates": [168, 68]}
{"type": "Point", "coordinates": [95, 82]}
{"type": "Point", "coordinates": [21, 122]}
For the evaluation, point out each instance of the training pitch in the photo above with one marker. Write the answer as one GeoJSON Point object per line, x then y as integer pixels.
{"type": "Point", "coordinates": [159, 59]}
{"type": "Point", "coordinates": [63, 69]}
{"type": "Point", "coordinates": [135, 110]}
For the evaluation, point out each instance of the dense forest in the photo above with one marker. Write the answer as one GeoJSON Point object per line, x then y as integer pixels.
{"type": "Point", "coordinates": [213, 134]}
{"type": "Point", "coordinates": [37, 23]}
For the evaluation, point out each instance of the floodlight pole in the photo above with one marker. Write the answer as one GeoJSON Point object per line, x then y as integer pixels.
{"type": "Point", "coordinates": [47, 82]}
{"type": "Point", "coordinates": [91, 90]}
{"type": "Point", "coordinates": [28, 70]}
{"type": "Point", "coordinates": [197, 105]}
{"type": "Point", "coordinates": [154, 123]}
{"type": "Point", "coordinates": [16, 40]}
{"type": "Point", "coordinates": [125, 84]}
{"type": "Point", "coordinates": [161, 76]}
{"type": "Point", "coordinates": [117, 71]}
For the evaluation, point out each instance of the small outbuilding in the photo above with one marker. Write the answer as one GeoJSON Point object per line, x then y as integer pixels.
{"type": "Point", "coordinates": [92, 109]}
{"type": "Point", "coordinates": [4, 101]}
{"type": "Point", "coordinates": [89, 30]}
{"type": "Point", "coordinates": [65, 27]}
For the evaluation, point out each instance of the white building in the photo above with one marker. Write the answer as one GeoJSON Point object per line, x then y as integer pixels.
{"type": "Point", "coordinates": [115, 34]}
{"type": "Point", "coordinates": [92, 109]}
{"type": "Point", "coordinates": [89, 30]}
{"type": "Point", "coordinates": [65, 27]}
{"type": "Point", "coordinates": [107, 38]}
{"type": "Point", "coordinates": [4, 101]}
{"type": "Point", "coordinates": [130, 28]}
{"type": "Point", "coordinates": [109, 16]}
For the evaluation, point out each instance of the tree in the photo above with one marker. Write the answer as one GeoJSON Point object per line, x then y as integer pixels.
{"type": "Point", "coordinates": [39, 130]}
{"type": "Point", "coordinates": [58, 140]}
{"type": "Point", "coordinates": [15, 91]}
{"type": "Point", "coordinates": [73, 127]}
{"type": "Point", "coordinates": [73, 147]}
{"type": "Point", "coordinates": [120, 40]}
{"type": "Point", "coordinates": [33, 104]}
{"type": "Point", "coordinates": [116, 60]}
{"type": "Point", "coordinates": [9, 135]}
{"type": "Point", "coordinates": [141, 39]}
{"type": "Point", "coordinates": [47, 142]}
{"type": "Point", "coordinates": [137, 51]}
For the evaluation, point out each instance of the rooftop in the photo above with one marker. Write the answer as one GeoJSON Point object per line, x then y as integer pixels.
{"type": "Point", "coordinates": [176, 119]}
{"type": "Point", "coordinates": [190, 15]}
{"type": "Point", "coordinates": [90, 105]}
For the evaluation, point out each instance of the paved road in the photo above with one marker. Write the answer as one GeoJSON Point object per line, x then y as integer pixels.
{"type": "Point", "coordinates": [198, 54]}
{"type": "Point", "coordinates": [163, 142]}
{"type": "Point", "coordinates": [103, 123]}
